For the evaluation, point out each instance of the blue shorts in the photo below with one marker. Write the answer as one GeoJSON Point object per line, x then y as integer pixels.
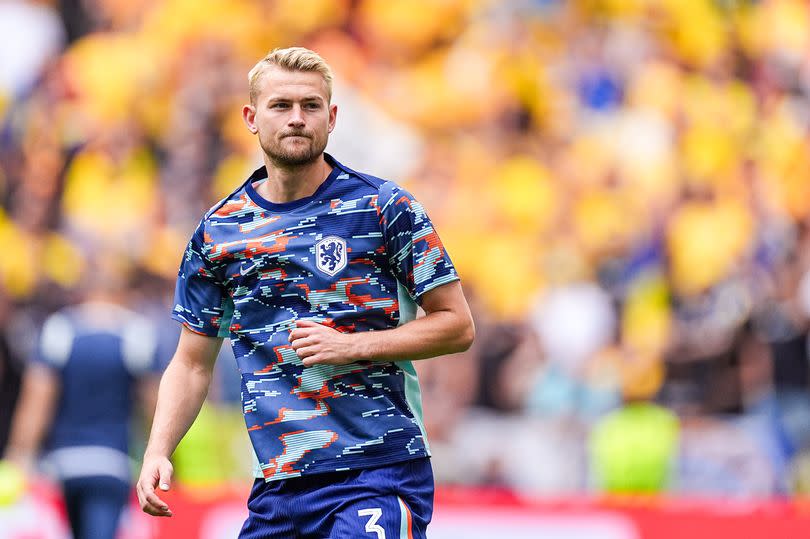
{"type": "Point", "coordinates": [387, 502]}
{"type": "Point", "coordinates": [94, 505]}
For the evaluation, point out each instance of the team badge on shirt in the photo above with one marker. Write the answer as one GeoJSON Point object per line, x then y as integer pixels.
{"type": "Point", "coordinates": [331, 255]}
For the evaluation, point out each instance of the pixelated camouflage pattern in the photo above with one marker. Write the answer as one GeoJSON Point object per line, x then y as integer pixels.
{"type": "Point", "coordinates": [250, 271]}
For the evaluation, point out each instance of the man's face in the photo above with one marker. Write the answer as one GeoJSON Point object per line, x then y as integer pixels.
{"type": "Point", "coordinates": [292, 116]}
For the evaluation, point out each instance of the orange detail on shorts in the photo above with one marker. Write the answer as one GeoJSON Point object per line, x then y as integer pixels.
{"type": "Point", "coordinates": [409, 519]}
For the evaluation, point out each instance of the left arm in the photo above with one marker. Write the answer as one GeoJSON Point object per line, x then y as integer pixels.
{"type": "Point", "coordinates": [446, 328]}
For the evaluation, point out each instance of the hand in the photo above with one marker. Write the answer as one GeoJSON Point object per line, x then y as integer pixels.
{"type": "Point", "coordinates": [156, 470]}
{"type": "Point", "coordinates": [23, 462]}
{"type": "Point", "coordinates": [317, 344]}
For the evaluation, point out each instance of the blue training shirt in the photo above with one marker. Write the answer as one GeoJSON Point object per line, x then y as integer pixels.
{"type": "Point", "coordinates": [356, 255]}
{"type": "Point", "coordinates": [97, 351]}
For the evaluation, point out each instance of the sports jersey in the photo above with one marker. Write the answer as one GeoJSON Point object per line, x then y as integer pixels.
{"type": "Point", "coordinates": [356, 255]}
{"type": "Point", "coordinates": [97, 351]}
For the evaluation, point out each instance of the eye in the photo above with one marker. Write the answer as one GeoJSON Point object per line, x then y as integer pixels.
{"type": "Point", "coordinates": [313, 105]}
{"type": "Point", "coordinates": [279, 106]}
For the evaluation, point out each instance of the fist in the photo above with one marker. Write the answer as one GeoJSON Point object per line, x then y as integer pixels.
{"type": "Point", "coordinates": [317, 344]}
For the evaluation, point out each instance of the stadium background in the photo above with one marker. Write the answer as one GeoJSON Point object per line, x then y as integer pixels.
{"type": "Point", "coordinates": [624, 186]}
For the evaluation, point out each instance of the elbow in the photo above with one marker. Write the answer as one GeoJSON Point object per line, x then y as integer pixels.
{"type": "Point", "coordinates": [466, 335]}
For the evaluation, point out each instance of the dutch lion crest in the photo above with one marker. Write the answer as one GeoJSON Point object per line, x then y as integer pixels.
{"type": "Point", "coordinates": [330, 253]}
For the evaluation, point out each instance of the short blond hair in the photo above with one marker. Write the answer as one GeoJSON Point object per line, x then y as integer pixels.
{"type": "Point", "coordinates": [292, 59]}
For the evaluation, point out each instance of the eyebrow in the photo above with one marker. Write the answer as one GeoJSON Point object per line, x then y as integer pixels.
{"type": "Point", "coordinates": [311, 97]}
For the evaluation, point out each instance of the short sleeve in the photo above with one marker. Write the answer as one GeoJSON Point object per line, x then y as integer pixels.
{"type": "Point", "coordinates": [416, 254]}
{"type": "Point", "coordinates": [139, 347]}
{"type": "Point", "coordinates": [55, 342]}
{"type": "Point", "coordinates": [200, 300]}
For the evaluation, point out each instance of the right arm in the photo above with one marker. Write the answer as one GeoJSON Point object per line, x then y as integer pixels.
{"type": "Point", "coordinates": [39, 393]}
{"type": "Point", "coordinates": [183, 389]}
{"type": "Point", "coordinates": [33, 416]}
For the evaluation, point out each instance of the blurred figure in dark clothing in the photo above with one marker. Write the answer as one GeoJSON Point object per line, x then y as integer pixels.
{"type": "Point", "coordinates": [10, 376]}
{"type": "Point", "coordinates": [94, 362]}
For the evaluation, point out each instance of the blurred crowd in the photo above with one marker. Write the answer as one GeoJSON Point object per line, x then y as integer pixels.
{"type": "Point", "coordinates": [624, 186]}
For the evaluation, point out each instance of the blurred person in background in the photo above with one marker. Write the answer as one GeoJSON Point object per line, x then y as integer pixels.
{"type": "Point", "coordinates": [635, 448]}
{"type": "Point", "coordinates": [574, 322]}
{"type": "Point", "coordinates": [11, 369]}
{"type": "Point", "coordinates": [95, 360]}
{"type": "Point", "coordinates": [783, 320]}
{"type": "Point", "coordinates": [314, 271]}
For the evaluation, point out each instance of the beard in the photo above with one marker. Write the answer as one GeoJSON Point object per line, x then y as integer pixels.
{"type": "Point", "coordinates": [283, 154]}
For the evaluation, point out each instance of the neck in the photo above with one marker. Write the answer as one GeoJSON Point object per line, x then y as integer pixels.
{"type": "Point", "coordinates": [289, 183]}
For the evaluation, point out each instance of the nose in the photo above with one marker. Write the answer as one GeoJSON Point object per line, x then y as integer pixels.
{"type": "Point", "coordinates": [296, 118]}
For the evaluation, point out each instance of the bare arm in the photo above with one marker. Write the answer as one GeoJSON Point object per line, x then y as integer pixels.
{"type": "Point", "coordinates": [33, 416]}
{"type": "Point", "coordinates": [447, 328]}
{"type": "Point", "coordinates": [183, 389]}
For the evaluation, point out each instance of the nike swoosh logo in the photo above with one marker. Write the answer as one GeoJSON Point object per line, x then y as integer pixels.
{"type": "Point", "coordinates": [244, 271]}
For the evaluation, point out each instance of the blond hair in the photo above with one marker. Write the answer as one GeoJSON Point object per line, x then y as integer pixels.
{"type": "Point", "coordinates": [292, 59]}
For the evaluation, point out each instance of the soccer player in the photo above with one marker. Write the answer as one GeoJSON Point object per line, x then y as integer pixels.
{"type": "Point", "coordinates": [77, 399]}
{"type": "Point", "coordinates": [314, 270]}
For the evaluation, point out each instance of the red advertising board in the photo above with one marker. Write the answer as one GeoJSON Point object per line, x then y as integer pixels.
{"type": "Point", "coordinates": [218, 513]}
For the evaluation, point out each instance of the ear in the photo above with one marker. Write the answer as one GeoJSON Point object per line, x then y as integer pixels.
{"type": "Point", "coordinates": [249, 116]}
{"type": "Point", "coordinates": [332, 117]}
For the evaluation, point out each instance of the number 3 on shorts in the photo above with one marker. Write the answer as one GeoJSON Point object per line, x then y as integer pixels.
{"type": "Point", "coordinates": [371, 526]}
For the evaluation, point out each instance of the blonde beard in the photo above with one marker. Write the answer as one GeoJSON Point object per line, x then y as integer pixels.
{"type": "Point", "coordinates": [289, 159]}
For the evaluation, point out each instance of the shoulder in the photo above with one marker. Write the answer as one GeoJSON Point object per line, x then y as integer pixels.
{"type": "Point", "coordinates": [235, 201]}
{"type": "Point", "coordinates": [227, 209]}
{"type": "Point", "coordinates": [384, 189]}
{"type": "Point", "coordinates": [56, 337]}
